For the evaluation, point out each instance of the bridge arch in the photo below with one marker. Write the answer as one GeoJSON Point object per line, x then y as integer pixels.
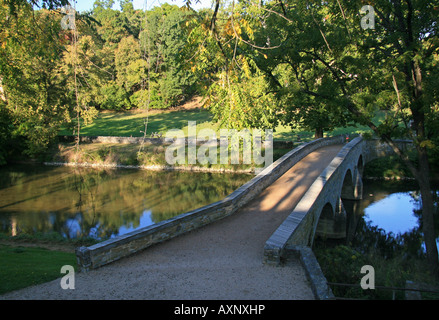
{"type": "Point", "coordinates": [332, 222]}
{"type": "Point", "coordinates": [327, 211]}
{"type": "Point", "coordinates": [347, 187]}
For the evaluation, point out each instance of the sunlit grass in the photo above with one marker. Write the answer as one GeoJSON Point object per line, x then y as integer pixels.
{"type": "Point", "coordinates": [133, 124]}
{"type": "Point", "coordinates": [126, 124]}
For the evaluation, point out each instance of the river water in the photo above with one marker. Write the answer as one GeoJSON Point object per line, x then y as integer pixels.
{"type": "Point", "coordinates": [390, 213]}
{"type": "Point", "coordinates": [81, 202]}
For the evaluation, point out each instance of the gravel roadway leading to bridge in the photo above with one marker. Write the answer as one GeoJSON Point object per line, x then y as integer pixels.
{"type": "Point", "coordinates": [221, 261]}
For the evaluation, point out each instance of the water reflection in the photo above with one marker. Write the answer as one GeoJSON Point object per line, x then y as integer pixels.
{"type": "Point", "coordinates": [80, 202]}
{"type": "Point", "coordinates": [388, 220]}
{"type": "Point", "coordinates": [144, 221]}
{"type": "Point", "coordinates": [394, 213]}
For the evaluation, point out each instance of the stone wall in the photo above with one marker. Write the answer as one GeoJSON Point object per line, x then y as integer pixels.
{"type": "Point", "coordinates": [113, 249]}
{"type": "Point", "coordinates": [111, 139]}
{"type": "Point", "coordinates": [314, 273]}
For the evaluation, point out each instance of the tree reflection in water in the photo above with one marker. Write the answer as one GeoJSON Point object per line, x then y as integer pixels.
{"type": "Point", "coordinates": [397, 254]}
{"type": "Point", "coordinates": [80, 202]}
{"type": "Point", "coordinates": [401, 233]}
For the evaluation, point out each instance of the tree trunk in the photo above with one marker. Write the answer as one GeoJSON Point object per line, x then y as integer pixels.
{"type": "Point", "coordinates": [318, 133]}
{"type": "Point", "coordinates": [423, 174]}
{"type": "Point", "coordinates": [427, 212]}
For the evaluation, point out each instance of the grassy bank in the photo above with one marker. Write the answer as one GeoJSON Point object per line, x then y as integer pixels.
{"type": "Point", "coordinates": [26, 266]}
{"type": "Point", "coordinates": [148, 155]}
{"type": "Point", "coordinates": [342, 264]}
{"type": "Point", "coordinates": [130, 123]}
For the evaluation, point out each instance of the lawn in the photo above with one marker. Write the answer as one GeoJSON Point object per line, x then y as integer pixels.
{"type": "Point", "coordinates": [126, 124]}
{"type": "Point", "coordinates": [21, 267]}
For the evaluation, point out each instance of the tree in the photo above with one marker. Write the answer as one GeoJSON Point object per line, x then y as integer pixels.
{"type": "Point", "coordinates": [176, 82]}
{"type": "Point", "coordinates": [355, 72]}
{"type": "Point", "coordinates": [6, 129]}
{"type": "Point", "coordinates": [80, 73]}
{"type": "Point", "coordinates": [29, 52]}
{"type": "Point", "coordinates": [112, 25]}
{"type": "Point", "coordinates": [130, 68]}
{"type": "Point", "coordinates": [163, 42]}
{"type": "Point", "coordinates": [16, 5]}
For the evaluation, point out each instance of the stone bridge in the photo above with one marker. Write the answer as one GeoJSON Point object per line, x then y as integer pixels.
{"type": "Point", "coordinates": [321, 209]}
{"type": "Point", "coordinates": [317, 211]}
{"type": "Point", "coordinates": [322, 203]}
{"type": "Point", "coordinates": [268, 219]}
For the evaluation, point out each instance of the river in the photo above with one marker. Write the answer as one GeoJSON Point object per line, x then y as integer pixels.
{"type": "Point", "coordinates": [81, 202]}
{"type": "Point", "coordinates": [388, 218]}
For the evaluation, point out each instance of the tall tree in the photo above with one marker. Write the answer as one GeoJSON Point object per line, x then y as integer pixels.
{"type": "Point", "coordinates": [130, 69]}
{"type": "Point", "coordinates": [165, 40]}
{"type": "Point", "coordinates": [335, 62]}
{"type": "Point", "coordinates": [30, 49]}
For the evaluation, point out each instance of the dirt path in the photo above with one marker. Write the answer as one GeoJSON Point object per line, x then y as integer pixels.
{"type": "Point", "coordinates": [220, 261]}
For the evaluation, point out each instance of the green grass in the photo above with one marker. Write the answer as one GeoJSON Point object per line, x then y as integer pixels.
{"type": "Point", "coordinates": [21, 267]}
{"type": "Point", "coordinates": [125, 124]}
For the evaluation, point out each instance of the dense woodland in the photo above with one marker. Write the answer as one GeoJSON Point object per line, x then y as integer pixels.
{"type": "Point", "coordinates": [309, 64]}
{"type": "Point", "coordinates": [113, 60]}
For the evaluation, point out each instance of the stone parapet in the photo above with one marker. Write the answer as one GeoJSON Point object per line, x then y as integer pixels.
{"type": "Point", "coordinates": [299, 227]}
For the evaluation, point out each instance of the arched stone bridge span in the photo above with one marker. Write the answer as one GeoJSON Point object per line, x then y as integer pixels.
{"type": "Point", "coordinates": [321, 207]}
{"type": "Point", "coordinates": [292, 193]}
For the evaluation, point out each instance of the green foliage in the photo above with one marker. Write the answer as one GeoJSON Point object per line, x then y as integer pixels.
{"type": "Point", "coordinates": [242, 101]}
{"type": "Point", "coordinates": [114, 60]}
{"type": "Point", "coordinates": [114, 97]}
{"type": "Point", "coordinates": [34, 97]}
{"type": "Point", "coordinates": [6, 128]}
{"type": "Point", "coordinates": [342, 264]}
{"type": "Point", "coordinates": [163, 43]}
{"type": "Point", "coordinates": [389, 167]}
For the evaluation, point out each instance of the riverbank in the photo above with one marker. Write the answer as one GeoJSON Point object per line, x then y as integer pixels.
{"type": "Point", "coordinates": [150, 156]}
{"type": "Point", "coordinates": [392, 168]}
{"type": "Point", "coordinates": [382, 231]}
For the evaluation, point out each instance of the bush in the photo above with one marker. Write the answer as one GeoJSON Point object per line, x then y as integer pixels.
{"type": "Point", "coordinates": [390, 167]}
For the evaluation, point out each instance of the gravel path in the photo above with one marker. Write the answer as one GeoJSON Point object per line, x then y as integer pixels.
{"type": "Point", "coordinates": [221, 261]}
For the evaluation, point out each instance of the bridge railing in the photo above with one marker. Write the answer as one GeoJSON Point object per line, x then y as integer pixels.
{"type": "Point", "coordinates": [298, 228]}
{"type": "Point", "coordinates": [116, 248]}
